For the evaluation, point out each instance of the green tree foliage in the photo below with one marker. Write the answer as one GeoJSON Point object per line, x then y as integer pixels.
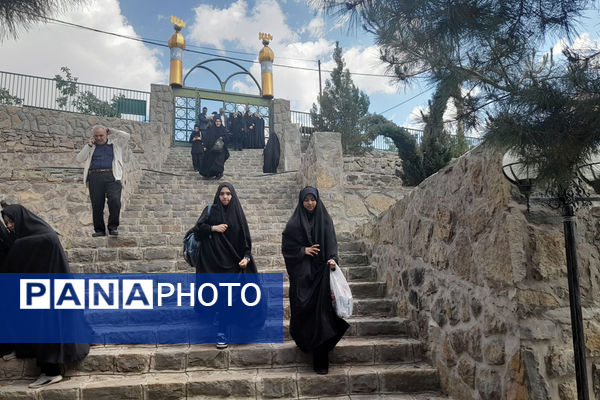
{"type": "Point", "coordinates": [8, 99]}
{"type": "Point", "coordinates": [405, 143]}
{"type": "Point", "coordinates": [20, 14]}
{"type": "Point", "coordinates": [487, 50]}
{"type": "Point", "coordinates": [341, 107]}
{"type": "Point", "coordinates": [84, 102]}
{"type": "Point", "coordinates": [551, 119]}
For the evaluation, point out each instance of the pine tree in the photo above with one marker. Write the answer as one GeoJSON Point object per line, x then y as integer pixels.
{"type": "Point", "coordinates": [16, 14]}
{"type": "Point", "coordinates": [341, 107]}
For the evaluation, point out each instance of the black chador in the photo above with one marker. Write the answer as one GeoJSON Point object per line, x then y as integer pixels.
{"type": "Point", "coordinates": [259, 131]}
{"type": "Point", "coordinates": [37, 249]}
{"type": "Point", "coordinates": [271, 154]}
{"type": "Point", "coordinates": [222, 252]}
{"type": "Point", "coordinates": [213, 163]}
{"type": "Point", "coordinates": [314, 325]}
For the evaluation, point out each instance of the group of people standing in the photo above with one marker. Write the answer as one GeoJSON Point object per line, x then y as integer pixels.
{"type": "Point", "coordinates": [214, 134]}
{"type": "Point", "coordinates": [309, 246]}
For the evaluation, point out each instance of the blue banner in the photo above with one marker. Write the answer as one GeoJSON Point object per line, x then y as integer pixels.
{"type": "Point", "coordinates": [141, 308]}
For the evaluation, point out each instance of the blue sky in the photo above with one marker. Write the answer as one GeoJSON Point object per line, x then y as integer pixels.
{"type": "Point", "coordinates": [301, 37]}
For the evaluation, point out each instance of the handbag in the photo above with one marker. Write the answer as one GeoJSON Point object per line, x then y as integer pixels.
{"type": "Point", "coordinates": [341, 296]}
{"type": "Point", "coordinates": [191, 247]}
{"type": "Point", "coordinates": [218, 146]}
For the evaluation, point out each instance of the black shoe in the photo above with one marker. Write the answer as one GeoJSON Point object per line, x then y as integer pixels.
{"type": "Point", "coordinates": [219, 176]}
{"type": "Point", "coordinates": [98, 234]}
{"type": "Point", "coordinates": [113, 232]}
{"type": "Point", "coordinates": [321, 362]}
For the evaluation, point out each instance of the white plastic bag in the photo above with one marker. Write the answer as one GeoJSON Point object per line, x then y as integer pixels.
{"type": "Point", "coordinates": [341, 296]}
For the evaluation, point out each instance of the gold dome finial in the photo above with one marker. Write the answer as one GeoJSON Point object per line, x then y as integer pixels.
{"type": "Point", "coordinates": [177, 46]}
{"type": "Point", "coordinates": [266, 57]}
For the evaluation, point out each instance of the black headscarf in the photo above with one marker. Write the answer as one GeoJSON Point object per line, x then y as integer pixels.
{"type": "Point", "coordinates": [271, 154]}
{"type": "Point", "coordinates": [306, 228]}
{"type": "Point", "coordinates": [314, 325]}
{"type": "Point", "coordinates": [37, 249]}
{"type": "Point", "coordinates": [221, 252]}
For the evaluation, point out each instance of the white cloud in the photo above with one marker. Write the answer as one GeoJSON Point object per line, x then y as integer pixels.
{"type": "Point", "coordinates": [316, 27]}
{"type": "Point", "coordinates": [239, 24]}
{"type": "Point", "coordinates": [93, 57]}
{"type": "Point", "coordinates": [414, 120]}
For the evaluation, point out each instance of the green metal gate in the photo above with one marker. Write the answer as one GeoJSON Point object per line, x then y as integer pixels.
{"type": "Point", "coordinates": [189, 102]}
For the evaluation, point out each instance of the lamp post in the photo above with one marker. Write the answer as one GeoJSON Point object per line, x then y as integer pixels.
{"type": "Point", "coordinates": [524, 178]}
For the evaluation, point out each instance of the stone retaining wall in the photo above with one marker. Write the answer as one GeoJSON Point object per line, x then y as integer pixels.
{"type": "Point", "coordinates": [355, 189]}
{"type": "Point", "coordinates": [33, 139]}
{"type": "Point", "coordinates": [484, 283]}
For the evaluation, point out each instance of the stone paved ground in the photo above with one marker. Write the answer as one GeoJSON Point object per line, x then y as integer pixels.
{"type": "Point", "coordinates": [374, 361]}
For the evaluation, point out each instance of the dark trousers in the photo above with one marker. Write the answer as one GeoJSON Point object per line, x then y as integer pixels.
{"type": "Point", "coordinates": [197, 160]}
{"type": "Point", "coordinates": [103, 187]}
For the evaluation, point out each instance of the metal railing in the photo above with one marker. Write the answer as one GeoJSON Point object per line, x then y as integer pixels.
{"type": "Point", "coordinates": [380, 143]}
{"type": "Point", "coordinates": [35, 91]}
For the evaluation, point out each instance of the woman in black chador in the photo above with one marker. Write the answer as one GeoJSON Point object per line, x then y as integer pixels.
{"type": "Point", "coordinates": [222, 230]}
{"type": "Point", "coordinates": [225, 244]}
{"type": "Point", "coordinates": [213, 163]}
{"type": "Point", "coordinates": [37, 249]}
{"type": "Point", "coordinates": [309, 248]}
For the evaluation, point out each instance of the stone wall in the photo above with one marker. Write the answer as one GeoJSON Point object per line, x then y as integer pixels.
{"type": "Point", "coordinates": [39, 170]}
{"type": "Point", "coordinates": [484, 283]}
{"type": "Point", "coordinates": [354, 189]}
{"type": "Point", "coordinates": [288, 134]}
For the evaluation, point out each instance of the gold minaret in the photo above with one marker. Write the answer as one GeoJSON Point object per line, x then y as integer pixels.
{"type": "Point", "coordinates": [266, 57]}
{"type": "Point", "coordinates": [177, 46]}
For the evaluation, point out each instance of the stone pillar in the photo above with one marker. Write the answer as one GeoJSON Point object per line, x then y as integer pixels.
{"type": "Point", "coordinates": [162, 107]}
{"type": "Point", "coordinates": [289, 136]}
{"type": "Point", "coordinates": [322, 166]}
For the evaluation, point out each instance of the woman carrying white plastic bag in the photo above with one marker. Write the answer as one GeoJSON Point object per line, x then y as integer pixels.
{"type": "Point", "coordinates": [341, 295]}
{"type": "Point", "coordinates": [309, 248]}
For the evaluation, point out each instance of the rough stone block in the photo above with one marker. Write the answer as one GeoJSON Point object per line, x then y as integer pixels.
{"type": "Point", "coordinates": [392, 353]}
{"type": "Point", "coordinates": [242, 356]}
{"type": "Point", "coordinates": [160, 253]}
{"type": "Point", "coordinates": [311, 385]}
{"type": "Point", "coordinates": [206, 357]}
{"type": "Point", "coordinates": [363, 382]}
{"type": "Point", "coordinates": [132, 362]}
{"type": "Point", "coordinates": [278, 387]}
{"type": "Point", "coordinates": [398, 379]}
{"type": "Point", "coordinates": [173, 360]}
{"type": "Point", "coordinates": [494, 352]}
{"type": "Point", "coordinates": [106, 391]}
{"type": "Point", "coordinates": [466, 370]}
{"type": "Point", "coordinates": [133, 253]}
{"type": "Point", "coordinates": [59, 394]}
{"type": "Point", "coordinates": [162, 388]}
{"type": "Point", "coordinates": [232, 384]}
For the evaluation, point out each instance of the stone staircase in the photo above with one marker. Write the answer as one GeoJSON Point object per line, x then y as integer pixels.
{"type": "Point", "coordinates": [374, 360]}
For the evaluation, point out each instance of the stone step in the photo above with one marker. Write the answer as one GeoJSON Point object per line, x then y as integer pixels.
{"type": "Point", "coordinates": [264, 254]}
{"type": "Point", "coordinates": [124, 359]}
{"type": "Point", "coordinates": [250, 383]}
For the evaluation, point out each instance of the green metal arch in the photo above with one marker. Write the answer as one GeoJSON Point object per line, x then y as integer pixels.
{"type": "Point", "coordinates": [223, 83]}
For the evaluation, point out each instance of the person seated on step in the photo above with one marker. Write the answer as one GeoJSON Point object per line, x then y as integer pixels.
{"type": "Point", "coordinates": [309, 248]}
{"type": "Point", "coordinates": [7, 350]}
{"type": "Point", "coordinates": [224, 238]}
{"type": "Point", "coordinates": [37, 249]}
{"type": "Point", "coordinates": [213, 163]}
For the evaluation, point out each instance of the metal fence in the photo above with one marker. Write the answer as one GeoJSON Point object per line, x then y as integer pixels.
{"type": "Point", "coordinates": [35, 91]}
{"type": "Point", "coordinates": [380, 143]}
